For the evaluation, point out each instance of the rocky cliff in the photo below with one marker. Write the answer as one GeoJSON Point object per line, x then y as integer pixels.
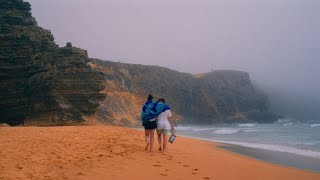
{"type": "Point", "coordinates": [41, 83]}
{"type": "Point", "coordinates": [215, 97]}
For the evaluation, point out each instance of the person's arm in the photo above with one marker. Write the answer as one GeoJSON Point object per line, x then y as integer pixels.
{"type": "Point", "coordinates": [170, 121]}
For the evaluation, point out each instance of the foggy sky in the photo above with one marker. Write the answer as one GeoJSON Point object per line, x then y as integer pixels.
{"type": "Point", "coordinates": [276, 41]}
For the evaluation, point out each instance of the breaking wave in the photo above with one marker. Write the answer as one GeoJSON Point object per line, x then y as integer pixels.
{"type": "Point", "coordinates": [226, 131]}
{"type": "Point", "coordinates": [315, 125]}
{"type": "Point", "coordinates": [287, 124]}
{"type": "Point", "coordinates": [246, 125]}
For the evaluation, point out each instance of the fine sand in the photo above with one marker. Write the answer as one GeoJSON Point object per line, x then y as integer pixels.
{"type": "Point", "coordinates": [103, 152]}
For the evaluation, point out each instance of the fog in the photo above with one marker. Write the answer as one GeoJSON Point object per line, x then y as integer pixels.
{"type": "Point", "coordinates": [276, 41]}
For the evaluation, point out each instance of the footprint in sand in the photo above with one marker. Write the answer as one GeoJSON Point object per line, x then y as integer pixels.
{"type": "Point", "coordinates": [163, 174]}
{"type": "Point", "coordinates": [157, 165]}
{"type": "Point", "coordinates": [206, 178]}
{"type": "Point", "coordinates": [179, 162]}
{"type": "Point", "coordinates": [100, 155]}
{"type": "Point", "coordinates": [186, 166]}
{"type": "Point", "coordinates": [194, 171]}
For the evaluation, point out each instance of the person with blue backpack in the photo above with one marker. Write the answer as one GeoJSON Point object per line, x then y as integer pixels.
{"type": "Point", "coordinates": [150, 111]}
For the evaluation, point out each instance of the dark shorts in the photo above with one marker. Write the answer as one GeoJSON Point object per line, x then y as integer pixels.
{"type": "Point", "coordinates": [150, 125]}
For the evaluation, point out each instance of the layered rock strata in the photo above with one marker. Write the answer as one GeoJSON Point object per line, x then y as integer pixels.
{"type": "Point", "coordinates": [40, 83]}
{"type": "Point", "coordinates": [215, 97]}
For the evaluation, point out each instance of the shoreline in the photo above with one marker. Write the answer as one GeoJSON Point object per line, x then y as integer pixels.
{"type": "Point", "coordinates": [109, 152]}
{"type": "Point", "coordinates": [286, 159]}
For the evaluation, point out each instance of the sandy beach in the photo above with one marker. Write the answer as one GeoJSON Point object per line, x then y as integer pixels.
{"type": "Point", "coordinates": [105, 152]}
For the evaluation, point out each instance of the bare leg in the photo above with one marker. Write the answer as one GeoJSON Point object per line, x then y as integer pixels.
{"type": "Point", "coordinates": [151, 139]}
{"type": "Point", "coordinates": [160, 142]}
{"type": "Point", "coordinates": [147, 138]}
{"type": "Point", "coordinates": [165, 140]}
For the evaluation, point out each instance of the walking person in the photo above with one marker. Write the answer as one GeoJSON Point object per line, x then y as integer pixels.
{"type": "Point", "coordinates": [164, 124]}
{"type": "Point", "coordinates": [149, 125]}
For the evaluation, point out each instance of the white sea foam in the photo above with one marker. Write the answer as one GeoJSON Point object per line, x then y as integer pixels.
{"type": "Point", "coordinates": [302, 152]}
{"type": "Point", "coordinates": [287, 124]}
{"type": "Point", "coordinates": [311, 143]}
{"type": "Point", "coordinates": [250, 130]}
{"type": "Point", "coordinates": [246, 125]}
{"type": "Point", "coordinates": [285, 120]}
{"type": "Point", "coordinates": [226, 131]}
{"type": "Point", "coordinates": [183, 128]}
{"type": "Point", "coordinates": [315, 125]}
{"type": "Point", "coordinates": [278, 148]}
{"type": "Point", "coordinates": [202, 129]}
{"type": "Point", "coordinates": [293, 137]}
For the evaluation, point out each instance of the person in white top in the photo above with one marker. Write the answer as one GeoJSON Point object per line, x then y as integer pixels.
{"type": "Point", "coordinates": [164, 124]}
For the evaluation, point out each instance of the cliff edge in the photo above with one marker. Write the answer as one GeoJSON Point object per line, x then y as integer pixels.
{"type": "Point", "coordinates": [215, 97]}
{"type": "Point", "coordinates": [42, 84]}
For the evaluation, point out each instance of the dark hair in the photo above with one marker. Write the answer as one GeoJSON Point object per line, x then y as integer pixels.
{"type": "Point", "coordinates": [150, 97]}
{"type": "Point", "coordinates": [162, 100]}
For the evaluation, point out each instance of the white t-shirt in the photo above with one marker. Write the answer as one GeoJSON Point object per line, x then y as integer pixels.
{"type": "Point", "coordinates": [163, 122]}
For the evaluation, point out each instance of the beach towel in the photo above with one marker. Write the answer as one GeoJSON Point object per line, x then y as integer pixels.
{"type": "Point", "coordinates": [152, 109]}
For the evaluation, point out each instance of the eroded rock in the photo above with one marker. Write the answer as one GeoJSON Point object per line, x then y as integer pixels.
{"type": "Point", "coordinates": [215, 97]}
{"type": "Point", "coordinates": [42, 84]}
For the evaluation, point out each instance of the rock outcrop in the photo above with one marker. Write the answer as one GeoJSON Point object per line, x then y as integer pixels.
{"type": "Point", "coordinates": [40, 83]}
{"type": "Point", "coordinates": [215, 97]}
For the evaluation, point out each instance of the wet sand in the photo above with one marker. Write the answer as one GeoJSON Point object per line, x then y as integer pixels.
{"type": "Point", "coordinates": [104, 152]}
{"type": "Point", "coordinates": [282, 158]}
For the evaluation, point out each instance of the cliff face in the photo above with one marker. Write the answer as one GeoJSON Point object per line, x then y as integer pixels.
{"type": "Point", "coordinates": [215, 97]}
{"type": "Point", "coordinates": [41, 83]}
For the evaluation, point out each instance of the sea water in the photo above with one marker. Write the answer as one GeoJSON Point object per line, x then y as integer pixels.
{"type": "Point", "coordinates": [300, 138]}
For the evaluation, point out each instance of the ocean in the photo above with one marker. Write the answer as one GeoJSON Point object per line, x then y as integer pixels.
{"type": "Point", "coordinates": [299, 138]}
